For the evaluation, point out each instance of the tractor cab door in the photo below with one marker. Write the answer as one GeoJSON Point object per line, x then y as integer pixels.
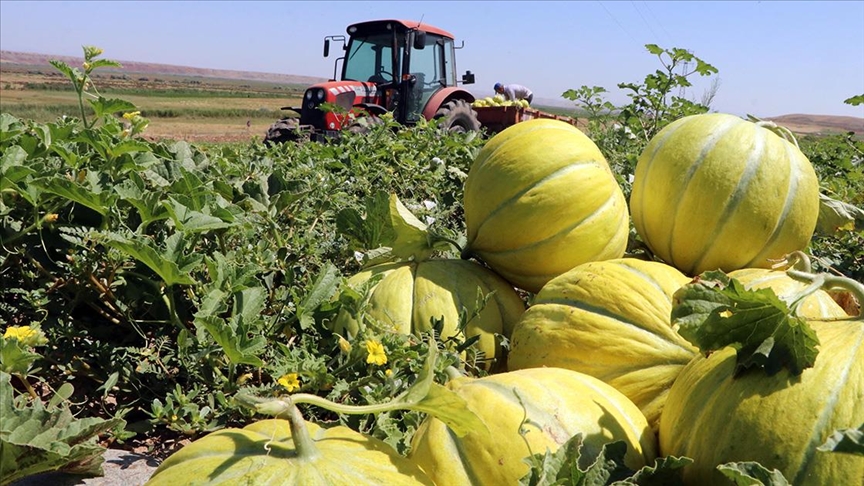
{"type": "Point", "coordinates": [373, 58]}
{"type": "Point", "coordinates": [430, 68]}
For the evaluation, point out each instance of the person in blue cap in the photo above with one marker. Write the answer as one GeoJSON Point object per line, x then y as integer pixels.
{"type": "Point", "coordinates": [514, 92]}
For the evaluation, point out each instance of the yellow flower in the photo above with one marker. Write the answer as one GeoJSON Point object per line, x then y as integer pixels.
{"type": "Point", "coordinates": [726, 314]}
{"type": "Point", "coordinates": [376, 352]}
{"type": "Point", "coordinates": [131, 115]}
{"type": "Point", "coordinates": [28, 336]}
{"type": "Point", "coordinates": [344, 345]}
{"type": "Point", "coordinates": [290, 381]}
{"type": "Point", "coordinates": [388, 372]}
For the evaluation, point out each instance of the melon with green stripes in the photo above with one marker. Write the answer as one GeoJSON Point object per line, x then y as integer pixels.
{"type": "Point", "coordinates": [539, 199]}
{"type": "Point", "coordinates": [714, 415]}
{"type": "Point", "coordinates": [610, 320]}
{"type": "Point", "coordinates": [409, 297]}
{"type": "Point", "coordinates": [554, 403]}
{"type": "Point", "coordinates": [715, 191]}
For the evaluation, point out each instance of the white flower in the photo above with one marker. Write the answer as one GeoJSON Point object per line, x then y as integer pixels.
{"type": "Point", "coordinates": [430, 205]}
{"type": "Point", "coordinates": [437, 160]}
{"type": "Point", "coordinates": [429, 220]}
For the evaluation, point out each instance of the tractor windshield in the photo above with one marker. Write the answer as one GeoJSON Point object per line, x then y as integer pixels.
{"type": "Point", "coordinates": [370, 58]}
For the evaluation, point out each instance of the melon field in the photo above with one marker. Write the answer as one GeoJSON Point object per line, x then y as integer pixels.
{"type": "Point", "coordinates": [546, 305]}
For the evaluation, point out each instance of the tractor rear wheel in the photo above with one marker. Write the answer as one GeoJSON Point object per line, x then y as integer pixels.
{"type": "Point", "coordinates": [284, 130]}
{"type": "Point", "coordinates": [457, 116]}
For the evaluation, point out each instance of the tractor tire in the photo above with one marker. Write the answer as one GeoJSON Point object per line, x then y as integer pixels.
{"type": "Point", "coordinates": [457, 116]}
{"type": "Point", "coordinates": [362, 125]}
{"type": "Point", "coordinates": [284, 130]}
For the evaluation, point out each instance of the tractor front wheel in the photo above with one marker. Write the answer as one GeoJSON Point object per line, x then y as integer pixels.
{"type": "Point", "coordinates": [457, 116]}
{"type": "Point", "coordinates": [284, 130]}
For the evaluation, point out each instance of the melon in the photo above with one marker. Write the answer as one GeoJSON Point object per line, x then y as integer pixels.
{"type": "Point", "coordinates": [610, 320]}
{"type": "Point", "coordinates": [717, 192]}
{"type": "Point", "coordinates": [409, 297]}
{"type": "Point", "coordinates": [540, 199]}
{"type": "Point", "coordinates": [551, 405]}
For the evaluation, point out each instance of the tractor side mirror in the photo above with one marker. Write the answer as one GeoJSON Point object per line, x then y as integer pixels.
{"type": "Point", "coordinates": [326, 47]}
{"type": "Point", "coordinates": [468, 78]}
{"type": "Point", "coordinates": [419, 40]}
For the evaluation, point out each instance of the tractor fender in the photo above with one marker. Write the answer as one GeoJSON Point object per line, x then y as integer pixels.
{"type": "Point", "coordinates": [443, 96]}
{"type": "Point", "coordinates": [372, 108]}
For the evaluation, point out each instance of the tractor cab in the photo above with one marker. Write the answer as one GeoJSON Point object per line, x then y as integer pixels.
{"type": "Point", "coordinates": [388, 66]}
{"type": "Point", "coordinates": [407, 61]}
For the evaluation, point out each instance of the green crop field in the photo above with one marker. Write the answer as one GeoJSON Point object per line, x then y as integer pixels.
{"type": "Point", "coordinates": [156, 289]}
{"type": "Point", "coordinates": [182, 108]}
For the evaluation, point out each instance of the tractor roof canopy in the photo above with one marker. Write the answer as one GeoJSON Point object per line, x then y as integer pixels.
{"type": "Point", "coordinates": [373, 26]}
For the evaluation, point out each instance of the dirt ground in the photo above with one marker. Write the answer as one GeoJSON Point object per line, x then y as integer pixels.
{"type": "Point", "coordinates": [209, 131]}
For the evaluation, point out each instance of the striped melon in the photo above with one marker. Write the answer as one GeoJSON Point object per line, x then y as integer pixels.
{"type": "Point", "coordinates": [713, 416]}
{"type": "Point", "coordinates": [554, 403]}
{"type": "Point", "coordinates": [714, 191]}
{"type": "Point", "coordinates": [540, 199]}
{"type": "Point", "coordinates": [610, 320]}
{"type": "Point", "coordinates": [409, 295]}
{"type": "Point", "coordinates": [275, 451]}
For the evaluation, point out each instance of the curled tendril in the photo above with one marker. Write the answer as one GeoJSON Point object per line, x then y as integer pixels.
{"type": "Point", "coordinates": [783, 132]}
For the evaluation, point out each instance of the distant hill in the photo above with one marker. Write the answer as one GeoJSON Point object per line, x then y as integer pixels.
{"type": "Point", "coordinates": [812, 124]}
{"type": "Point", "coordinates": [41, 60]}
{"type": "Point", "coordinates": [798, 123]}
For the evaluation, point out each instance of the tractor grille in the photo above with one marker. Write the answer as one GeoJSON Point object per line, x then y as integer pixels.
{"type": "Point", "coordinates": [311, 115]}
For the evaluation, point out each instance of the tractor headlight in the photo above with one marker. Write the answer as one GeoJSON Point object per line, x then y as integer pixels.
{"type": "Point", "coordinates": [309, 94]}
{"type": "Point", "coordinates": [320, 95]}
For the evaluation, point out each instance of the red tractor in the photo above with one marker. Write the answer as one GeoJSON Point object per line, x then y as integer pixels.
{"type": "Point", "coordinates": [389, 66]}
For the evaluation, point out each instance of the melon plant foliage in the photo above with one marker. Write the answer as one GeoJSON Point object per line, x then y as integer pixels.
{"type": "Point", "coordinates": [168, 277]}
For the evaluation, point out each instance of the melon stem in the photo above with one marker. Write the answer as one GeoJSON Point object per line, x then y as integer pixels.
{"type": "Point", "coordinates": [303, 443]}
{"type": "Point", "coordinates": [782, 132]}
{"type": "Point", "coordinates": [284, 409]}
{"type": "Point", "coordinates": [797, 260]}
{"type": "Point", "coordinates": [827, 282]}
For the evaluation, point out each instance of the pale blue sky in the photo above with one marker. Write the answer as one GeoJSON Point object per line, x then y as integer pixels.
{"type": "Point", "coordinates": [774, 57]}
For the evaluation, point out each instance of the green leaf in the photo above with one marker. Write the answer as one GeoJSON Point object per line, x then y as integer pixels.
{"type": "Point", "coordinates": [450, 408]}
{"type": "Point", "coordinates": [665, 472]}
{"type": "Point", "coordinates": [128, 147]}
{"type": "Point", "coordinates": [98, 63]}
{"type": "Point", "coordinates": [389, 230]}
{"type": "Point", "coordinates": [103, 106]}
{"type": "Point", "coordinates": [654, 49]}
{"type": "Point", "coordinates": [836, 216]}
{"type": "Point", "coordinates": [100, 201]}
{"type": "Point", "coordinates": [189, 220]}
{"type": "Point", "coordinates": [411, 236]}
{"type": "Point", "coordinates": [138, 249]}
{"type": "Point", "coordinates": [752, 474]}
{"type": "Point", "coordinates": [35, 440]}
{"type": "Point", "coordinates": [237, 347]}
{"type": "Point", "coordinates": [855, 100]}
{"type": "Point", "coordinates": [849, 441]}
{"type": "Point", "coordinates": [714, 311]}
{"type": "Point", "coordinates": [562, 468]}
{"type": "Point", "coordinates": [145, 201]}
{"type": "Point", "coordinates": [15, 358]}
{"type": "Point", "coordinates": [63, 68]}
{"type": "Point", "coordinates": [250, 303]}
{"type": "Point", "coordinates": [325, 285]}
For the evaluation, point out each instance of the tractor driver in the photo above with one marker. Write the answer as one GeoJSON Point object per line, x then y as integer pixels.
{"type": "Point", "coordinates": [514, 92]}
